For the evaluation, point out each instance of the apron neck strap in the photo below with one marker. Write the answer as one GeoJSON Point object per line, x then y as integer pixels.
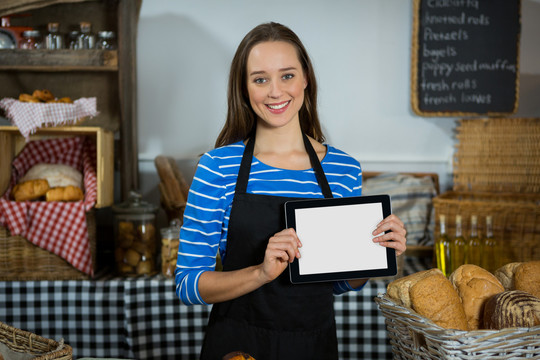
{"type": "Point", "coordinates": [247, 158]}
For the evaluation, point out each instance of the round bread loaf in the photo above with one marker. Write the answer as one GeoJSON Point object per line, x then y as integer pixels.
{"type": "Point", "coordinates": [527, 277]}
{"type": "Point", "coordinates": [514, 308]}
{"type": "Point", "coordinates": [475, 285]}
{"type": "Point", "coordinates": [238, 355]}
{"type": "Point", "coordinates": [58, 175]}
{"type": "Point", "coordinates": [505, 274]}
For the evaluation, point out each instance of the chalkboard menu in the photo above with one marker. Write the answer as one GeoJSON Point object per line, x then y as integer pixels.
{"type": "Point", "coordinates": [465, 57]}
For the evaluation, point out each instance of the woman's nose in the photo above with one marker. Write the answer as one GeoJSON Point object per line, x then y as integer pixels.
{"type": "Point", "coordinates": [274, 90]}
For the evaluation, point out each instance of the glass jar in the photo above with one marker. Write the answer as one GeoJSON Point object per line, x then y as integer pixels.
{"type": "Point", "coordinates": [31, 39]}
{"type": "Point", "coordinates": [106, 40]}
{"type": "Point", "coordinates": [135, 236]}
{"type": "Point", "coordinates": [87, 40]}
{"type": "Point", "coordinates": [54, 40]}
{"type": "Point", "coordinates": [73, 40]}
{"type": "Point", "coordinates": [170, 239]}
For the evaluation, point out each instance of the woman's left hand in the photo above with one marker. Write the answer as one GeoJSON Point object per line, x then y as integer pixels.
{"type": "Point", "coordinates": [395, 238]}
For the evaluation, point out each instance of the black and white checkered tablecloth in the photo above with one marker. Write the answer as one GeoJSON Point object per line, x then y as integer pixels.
{"type": "Point", "coordinates": [141, 318]}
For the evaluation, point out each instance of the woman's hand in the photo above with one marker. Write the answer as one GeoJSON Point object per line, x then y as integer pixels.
{"type": "Point", "coordinates": [281, 250]}
{"type": "Point", "coordinates": [395, 238]}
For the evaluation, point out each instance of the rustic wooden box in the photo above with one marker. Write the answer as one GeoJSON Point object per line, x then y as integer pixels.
{"type": "Point", "coordinates": [12, 142]}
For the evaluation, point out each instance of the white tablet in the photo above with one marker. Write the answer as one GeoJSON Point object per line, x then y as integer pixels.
{"type": "Point", "coordinates": [336, 236]}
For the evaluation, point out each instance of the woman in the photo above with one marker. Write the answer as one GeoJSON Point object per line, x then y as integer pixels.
{"type": "Point", "coordinates": [269, 151]}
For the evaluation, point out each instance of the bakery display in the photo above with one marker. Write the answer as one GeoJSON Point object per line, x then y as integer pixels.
{"type": "Point", "coordinates": [474, 285]}
{"type": "Point", "coordinates": [43, 96]}
{"type": "Point", "coordinates": [513, 308]}
{"type": "Point", "coordinates": [30, 190]}
{"type": "Point", "coordinates": [431, 295]}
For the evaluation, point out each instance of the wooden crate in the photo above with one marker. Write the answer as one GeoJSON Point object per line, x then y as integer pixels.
{"type": "Point", "coordinates": [12, 142]}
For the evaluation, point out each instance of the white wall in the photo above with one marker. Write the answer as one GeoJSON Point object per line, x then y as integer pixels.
{"type": "Point", "coordinates": [361, 54]}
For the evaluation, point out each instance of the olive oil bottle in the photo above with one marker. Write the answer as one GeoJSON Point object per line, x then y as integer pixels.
{"type": "Point", "coordinates": [459, 246]}
{"type": "Point", "coordinates": [442, 248]}
{"type": "Point", "coordinates": [490, 249]}
{"type": "Point", "coordinates": [474, 245]}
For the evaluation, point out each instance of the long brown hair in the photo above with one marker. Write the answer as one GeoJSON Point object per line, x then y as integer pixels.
{"type": "Point", "coordinates": [241, 119]}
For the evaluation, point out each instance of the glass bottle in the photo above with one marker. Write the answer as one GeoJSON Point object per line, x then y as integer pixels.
{"type": "Point", "coordinates": [106, 40]}
{"type": "Point", "coordinates": [474, 245]}
{"type": "Point", "coordinates": [31, 39]}
{"type": "Point", "coordinates": [87, 40]}
{"type": "Point", "coordinates": [54, 40]}
{"type": "Point", "coordinates": [490, 254]}
{"type": "Point", "coordinates": [73, 40]}
{"type": "Point", "coordinates": [442, 249]}
{"type": "Point", "coordinates": [459, 246]}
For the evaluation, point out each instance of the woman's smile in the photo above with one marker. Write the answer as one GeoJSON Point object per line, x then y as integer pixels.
{"type": "Point", "coordinates": [278, 108]}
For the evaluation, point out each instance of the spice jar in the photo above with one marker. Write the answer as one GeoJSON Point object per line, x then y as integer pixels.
{"type": "Point", "coordinates": [170, 239]}
{"type": "Point", "coordinates": [54, 40]}
{"type": "Point", "coordinates": [31, 39]}
{"type": "Point", "coordinates": [106, 40]}
{"type": "Point", "coordinates": [135, 236]}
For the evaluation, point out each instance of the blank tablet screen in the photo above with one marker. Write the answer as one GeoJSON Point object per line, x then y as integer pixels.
{"type": "Point", "coordinates": [336, 236]}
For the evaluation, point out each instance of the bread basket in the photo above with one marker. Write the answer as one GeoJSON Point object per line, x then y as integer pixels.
{"type": "Point", "coordinates": [14, 341]}
{"type": "Point", "coordinates": [415, 337]}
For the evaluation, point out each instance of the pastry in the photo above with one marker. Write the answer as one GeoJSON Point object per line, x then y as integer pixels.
{"type": "Point", "coordinates": [30, 190]}
{"type": "Point", "coordinates": [64, 193]}
{"type": "Point", "coordinates": [43, 95]}
{"type": "Point", "coordinates": [238, 355]}
{"type": "Point", "coordinates": [512, 308]}
{"type": "Point", "coordinates": [28, 98]}
{"type": "Point", "coordinates": [475, 285]}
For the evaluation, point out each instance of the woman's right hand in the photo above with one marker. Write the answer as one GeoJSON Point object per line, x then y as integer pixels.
{"type": "Point", "coordinates": [281, 250]}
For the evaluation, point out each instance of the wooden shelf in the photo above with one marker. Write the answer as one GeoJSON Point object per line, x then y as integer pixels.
{"type": "Point", "coordinates": [58, 60]}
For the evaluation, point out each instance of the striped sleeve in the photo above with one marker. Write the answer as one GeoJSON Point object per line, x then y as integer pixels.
{"type": "Point", "coordinates": [202, 229]}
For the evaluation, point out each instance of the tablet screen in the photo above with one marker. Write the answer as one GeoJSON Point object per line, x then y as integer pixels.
{"type": "Point", "coordinates": [336, 236]}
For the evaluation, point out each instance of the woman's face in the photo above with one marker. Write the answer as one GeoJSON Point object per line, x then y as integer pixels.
{"type": "Point", "coordinates": [275, 83]}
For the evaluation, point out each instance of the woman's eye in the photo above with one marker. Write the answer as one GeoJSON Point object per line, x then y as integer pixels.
{"type": "Point", "coordinates": [259, 81]}
{"type": "Point", "coordinates": [288, 76]}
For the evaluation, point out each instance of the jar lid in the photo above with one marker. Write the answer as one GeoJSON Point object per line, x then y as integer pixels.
{"type": "Point", "coordinates": [31, 33]}
{"type": "Point", "coordinates": [173, 229]}
{"type": "Point", "coordinates": [53, 26]}
{"type": "Point", "coordinates": [135, 205]}
{"type": "Point", "coordinates": [107, 34]}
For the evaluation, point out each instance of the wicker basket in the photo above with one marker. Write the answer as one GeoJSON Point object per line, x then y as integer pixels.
{"type": "Point", "coordinates": [415, 337]}
{"type": "Point", "coordinates": [25, 342]}
{"type": "Point", "coordinates": [516, 219]}
{"type": "Point", "coordinates": [498, 155]}
{"type": "Point", "coordinates": [22, 260]}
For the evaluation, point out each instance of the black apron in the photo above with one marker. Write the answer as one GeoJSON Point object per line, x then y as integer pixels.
{"type": "Point", "coordinates": [278, 320]}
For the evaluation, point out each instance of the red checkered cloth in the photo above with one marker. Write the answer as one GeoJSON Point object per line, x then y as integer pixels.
{"type": "Point", "coordinates": [59, 227]}
{"type": "Point", "coordinates": [29, 117]}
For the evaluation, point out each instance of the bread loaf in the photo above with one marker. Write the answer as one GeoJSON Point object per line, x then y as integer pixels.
{"type": "Point", "coordinates": [512, 308]}
{"type": "Point", "coordinates": [399, 289]}
{"type": "Point", "coordinates": [238, 355]}
{"type": "Point", "coordinates": [475, 285]}
{"type": "Point", "coordinates": [527, 278]}
{"type": "Point", "coordinates": [435, 298]}
{"type": "Point", "coordinates": [432, 295]}
{"type": "Point", "coordinates": [30, 190]}
{"type": "Point", "coordinates": [505, 274]}
{"type": "Point", "coordinates": [58, 175]}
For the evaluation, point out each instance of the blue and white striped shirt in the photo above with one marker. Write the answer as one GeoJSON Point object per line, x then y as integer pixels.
{"type": "Point", "coordinates": [206, 217]}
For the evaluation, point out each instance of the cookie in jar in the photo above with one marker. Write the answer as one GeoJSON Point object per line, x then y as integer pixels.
{"type": "Point", "coordinates": [136, 243]}
{"type": "Point", "coordinates": [170, 239]}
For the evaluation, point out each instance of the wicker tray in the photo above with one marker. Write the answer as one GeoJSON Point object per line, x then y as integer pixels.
{"type": "Point", "coordinates": [25, 342]}
{"type": "Point", "coordinates": [516, 219]}
{"type": "Point", "coordinates": [414, 337]}
{"type": "Point", "coordinates": [22, 260]}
